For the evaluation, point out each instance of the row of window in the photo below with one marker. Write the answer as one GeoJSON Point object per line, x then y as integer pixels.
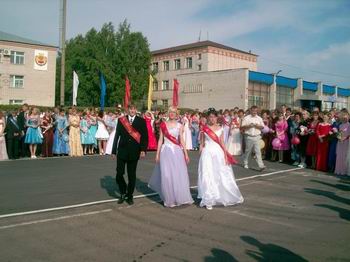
{"type": "Point", "coordinates": [177, 64]}
{"type": "Point", "coordinates": [165, 103]}
{"type": "Point", "coordinates": [16, 58]}
{"type": "Point", "coordinates": [16, 81]}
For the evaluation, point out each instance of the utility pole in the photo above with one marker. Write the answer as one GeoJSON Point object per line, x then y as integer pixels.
{"type": "Point", "coordinates": [63, 48]}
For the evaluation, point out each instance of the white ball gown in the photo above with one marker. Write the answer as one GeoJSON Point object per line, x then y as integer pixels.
{"type": "Point", "coordinates": [110, 141]}
{"type": "Point", "coordinates": [187, 134]}
{"type": "Point", "coordinates": [216, 181]}
{"type": "Point", "coordinates": [170, 177]}
{"type": "Point", "coordinates": [234, 143]}
{"type": "Point", "coordinates": [102, 133]}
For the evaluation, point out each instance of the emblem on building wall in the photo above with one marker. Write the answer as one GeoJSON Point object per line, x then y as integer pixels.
{"type": "Point", "coordinates": [40, 59]}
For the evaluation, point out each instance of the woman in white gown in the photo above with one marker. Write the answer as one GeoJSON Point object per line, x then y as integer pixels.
{"type": "Point", "coordinates": [234, 143]}
{"type": "Point", "coordinates": [3, 152]}
{"type": "Point", "coordinates": [170, 176]}
{"type": "Point", "coordinates": [216, 181]}
{"type": "Point", "coordinates": [187, 132]}
{"type": "Point", "coordinates": [113, 126]}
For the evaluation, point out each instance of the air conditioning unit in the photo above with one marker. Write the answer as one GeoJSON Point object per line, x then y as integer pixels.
{"type": "Point", "coordinates": [6, 52]}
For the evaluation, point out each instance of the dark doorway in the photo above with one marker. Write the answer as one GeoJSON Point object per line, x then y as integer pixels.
{"type": "Point", "coordinates": [311, 104]}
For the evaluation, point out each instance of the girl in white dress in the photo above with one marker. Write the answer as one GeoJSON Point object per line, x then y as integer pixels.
{"type": "Point", "coordinates": [110, 141]}
{"type": "Point", "coordinates": [216, 181]}
{"type": "Point", "coordinates": [102, 133]}
{"type": "Point", "coordinates": [3, 152]}
{"type": "Point", "coordinates": [187, 132]}
{"type": "Point", "coordinates": [234, 143]}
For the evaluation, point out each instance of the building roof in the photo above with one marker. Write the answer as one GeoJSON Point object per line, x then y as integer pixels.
{"type": "Point", "coordinates": [198, 45]}
{"type": "Point", "coordinates": [18, 39]}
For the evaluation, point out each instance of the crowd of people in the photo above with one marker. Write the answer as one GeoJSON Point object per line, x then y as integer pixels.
{"type": "Point", "coordinates": [318, 140]}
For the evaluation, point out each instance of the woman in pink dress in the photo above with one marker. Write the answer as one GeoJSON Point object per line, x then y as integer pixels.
{"type": "Point", "coordinates": [281, 128]}
{"type": "Point", "coordinates": [3, 151]}
{"type": "Point", "coordinates": [152, 142]}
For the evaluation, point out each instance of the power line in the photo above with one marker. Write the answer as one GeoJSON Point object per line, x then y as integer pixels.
{"type": "Point", "coordinates": [306, 69]}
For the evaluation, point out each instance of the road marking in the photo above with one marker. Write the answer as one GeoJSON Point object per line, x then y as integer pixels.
{"type": "Point", "coordinates": [55, 219]}
{"type": "Point", "coordinates": [135, 197]}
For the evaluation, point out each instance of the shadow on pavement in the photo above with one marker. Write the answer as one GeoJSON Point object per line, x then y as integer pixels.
{"type": "Point", "coordinates": [270, 252]}
{"type": "Point", "coordinates": [219, 255]}
{"type": "Point", "coordinates": [343, 213]}
{"type": "Point", "coordinates": [336, 186]}
{"type": "Point", "coordinates": [108, 183]}
{"type": "Point", "coordinates": [330, 195]}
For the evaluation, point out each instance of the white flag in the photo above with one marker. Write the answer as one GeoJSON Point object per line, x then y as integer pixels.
{"type": "Point", "coordinates": [75, 88]}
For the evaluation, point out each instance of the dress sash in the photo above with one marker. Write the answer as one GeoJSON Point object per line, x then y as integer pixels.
{"type": "Point", "coordinates": [130, 129]}
{"type": "Point", "coordinates": [166, 133]}
{"type": "Point", "coordinates": [231, 160]}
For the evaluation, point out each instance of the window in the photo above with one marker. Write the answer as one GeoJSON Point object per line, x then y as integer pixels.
{"type": "Point", "coordinates": [15, 102]}
{"type": "Point", "coordinates": [189, 62]}
{"type": "Point", "coordinates": [155, 85]}
{"type": "Point", "coordinates": [193, 88]}
{"type": "Point", "coordinates": [199, 56]}
{"type": "Point", "coordinates": [326, 105]}
{"type": "Point", "coordinates": [16, 81]}
{"type": "Point", "coordinates": [165, 85]}
{"type": "Point", "coordinates": [199, 67]}
{"type": "Point", "coordinates": [165, 102]}
{"type": "Point", "coordinates": [154, 103]}
{"type": "Point", "coordinates": [177, 64]}
{"type": "Point", "coordinates": [155, 66]}
{"type": "Point", "coordinates": [17, 58]}
{"type": "Point", "coordinates": [258, 95]}
{"type": "Point", "coordinates": [284, 96]}
{"type": "Point", "coordinates": [341, 102]}
{"type": "Point", "coordinates": [166, 65]}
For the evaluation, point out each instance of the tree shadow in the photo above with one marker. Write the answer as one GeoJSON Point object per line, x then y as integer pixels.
{"type": "Point", "coordinates": [219, 255]}
{"type": "Point", "coordinates": [343, 213]}
{"type": "Point", "coordinates": [108, 183]}
{"type": "Point", "coordinates": [336, 186]}
{"type": "Point", "coordinates": [270, 252]}
{"type": "Point", "coordinates": [328, 194]}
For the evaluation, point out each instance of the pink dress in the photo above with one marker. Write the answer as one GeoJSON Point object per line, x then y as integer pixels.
{"type": "Point", "coordinates": [152, 141]}
{"type": "Point", "coordinates": [3, 152]}
{"type": "Point", "coordinates": [281, 128]}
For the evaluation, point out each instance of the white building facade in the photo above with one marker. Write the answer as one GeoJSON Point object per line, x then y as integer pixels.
{"type": "Point", "coordinates": [27, 71]}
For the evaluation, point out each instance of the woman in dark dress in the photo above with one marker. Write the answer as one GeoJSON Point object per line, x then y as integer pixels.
{"type": "Point", "coordinates": [333, 140]}
{"type": "Point", "coordinates": [47, 130]}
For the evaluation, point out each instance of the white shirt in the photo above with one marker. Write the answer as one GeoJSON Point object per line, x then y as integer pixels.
{"type": "Point", "coordinates": [252, 131]}
{"type": "Point", "coordinates": [131, 119]}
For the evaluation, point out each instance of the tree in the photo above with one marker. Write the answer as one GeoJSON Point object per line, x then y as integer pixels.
{"type": "Point", "coordinates": [114, 53]}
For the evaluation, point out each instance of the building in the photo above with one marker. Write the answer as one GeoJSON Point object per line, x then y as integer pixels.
{"type": "Point", "coordinates": [211, 74]}
{"type": "Point", "coordinates": [27, 71]}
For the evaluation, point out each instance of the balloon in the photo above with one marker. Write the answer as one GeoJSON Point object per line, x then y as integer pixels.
{"type": "Point", "coordinates": [276, 143]}
{"type": "Point", "coordinates": [262, 144]}
{"type": "Point", "coordinates": [265, 130]}
{"type": "Point", "coordinates": [295, 140]}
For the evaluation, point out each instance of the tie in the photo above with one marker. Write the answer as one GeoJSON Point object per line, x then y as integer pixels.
{"type": "Point", "coordinates": [131, 121]}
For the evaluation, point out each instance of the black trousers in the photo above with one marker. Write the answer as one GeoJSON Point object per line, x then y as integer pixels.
{"type": "Point", "coordinates": [131, 166]}
{"type": "Point", "coordinates": [13, 148]}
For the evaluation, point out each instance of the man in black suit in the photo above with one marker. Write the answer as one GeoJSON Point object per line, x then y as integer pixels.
{"type": "Point", "coordinates": [13, 135]}
{"type": "Point", "coordinates": [130, 143]}
{"type": "Point", "coordinates": [21, 120]}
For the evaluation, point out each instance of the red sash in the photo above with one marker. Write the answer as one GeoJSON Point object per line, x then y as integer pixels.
{"type": "Point", "coordinates": [231, 160]}
{"type": "Point", "coordinates": [166, 133]}
{"type": "Point", "coordinates": [130, 129]}
{"type": "Point", "coordinates": [225, 122]}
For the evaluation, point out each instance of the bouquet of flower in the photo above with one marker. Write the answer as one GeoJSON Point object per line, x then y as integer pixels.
{"type": "Point", "coordinates": [303, 130]}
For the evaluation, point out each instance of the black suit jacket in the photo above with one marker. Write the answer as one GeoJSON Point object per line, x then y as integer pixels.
{"type": "Point", "coordinates": [125, 146]}
{"type": "Point", "coordinates": [21, 120]}
{"type": "Point", "coordinates": [11, 129]}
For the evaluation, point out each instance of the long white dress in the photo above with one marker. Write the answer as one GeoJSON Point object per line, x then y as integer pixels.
{"type": "Point", "coordinates": [3, 152]}
{"type": "Point", "coordinates": [234, 143]}
{"type": "Point", "coordinates": [216, 181]}
{"type": "Point", "coordinates": [110, 141]}
{"type": "Point", "coordinates": [187, 134]}
{"type": "Point", "coordinates": [226, 129]}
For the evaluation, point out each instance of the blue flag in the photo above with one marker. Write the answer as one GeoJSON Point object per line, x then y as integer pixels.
{"type": "Point", "coordinates": [103, 91]}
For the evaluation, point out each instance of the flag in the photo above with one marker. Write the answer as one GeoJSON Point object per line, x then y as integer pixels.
{"type": "Point", "coordinates": [75, 87]}
{"type": "Point", "coordinates": [176, 93]}
{"type": "Point", "coordinates": [150, 90]}
{"type": "Point", "coordinates": [103, 91]}
{"type": "Point", "coordinates": [127, 93]}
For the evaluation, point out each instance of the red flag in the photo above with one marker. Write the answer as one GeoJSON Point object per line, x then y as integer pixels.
{"type": "Point", "coordinates": [176, 93]}
{"type": "Point", "coordinates": [127, 93]}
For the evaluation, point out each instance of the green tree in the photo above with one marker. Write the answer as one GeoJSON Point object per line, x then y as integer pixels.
{"type": "Point", "coordinates": [116, 54]}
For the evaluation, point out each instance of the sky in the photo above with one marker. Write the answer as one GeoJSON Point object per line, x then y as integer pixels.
{"type": "Point", "coordinates": [303, 38]}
